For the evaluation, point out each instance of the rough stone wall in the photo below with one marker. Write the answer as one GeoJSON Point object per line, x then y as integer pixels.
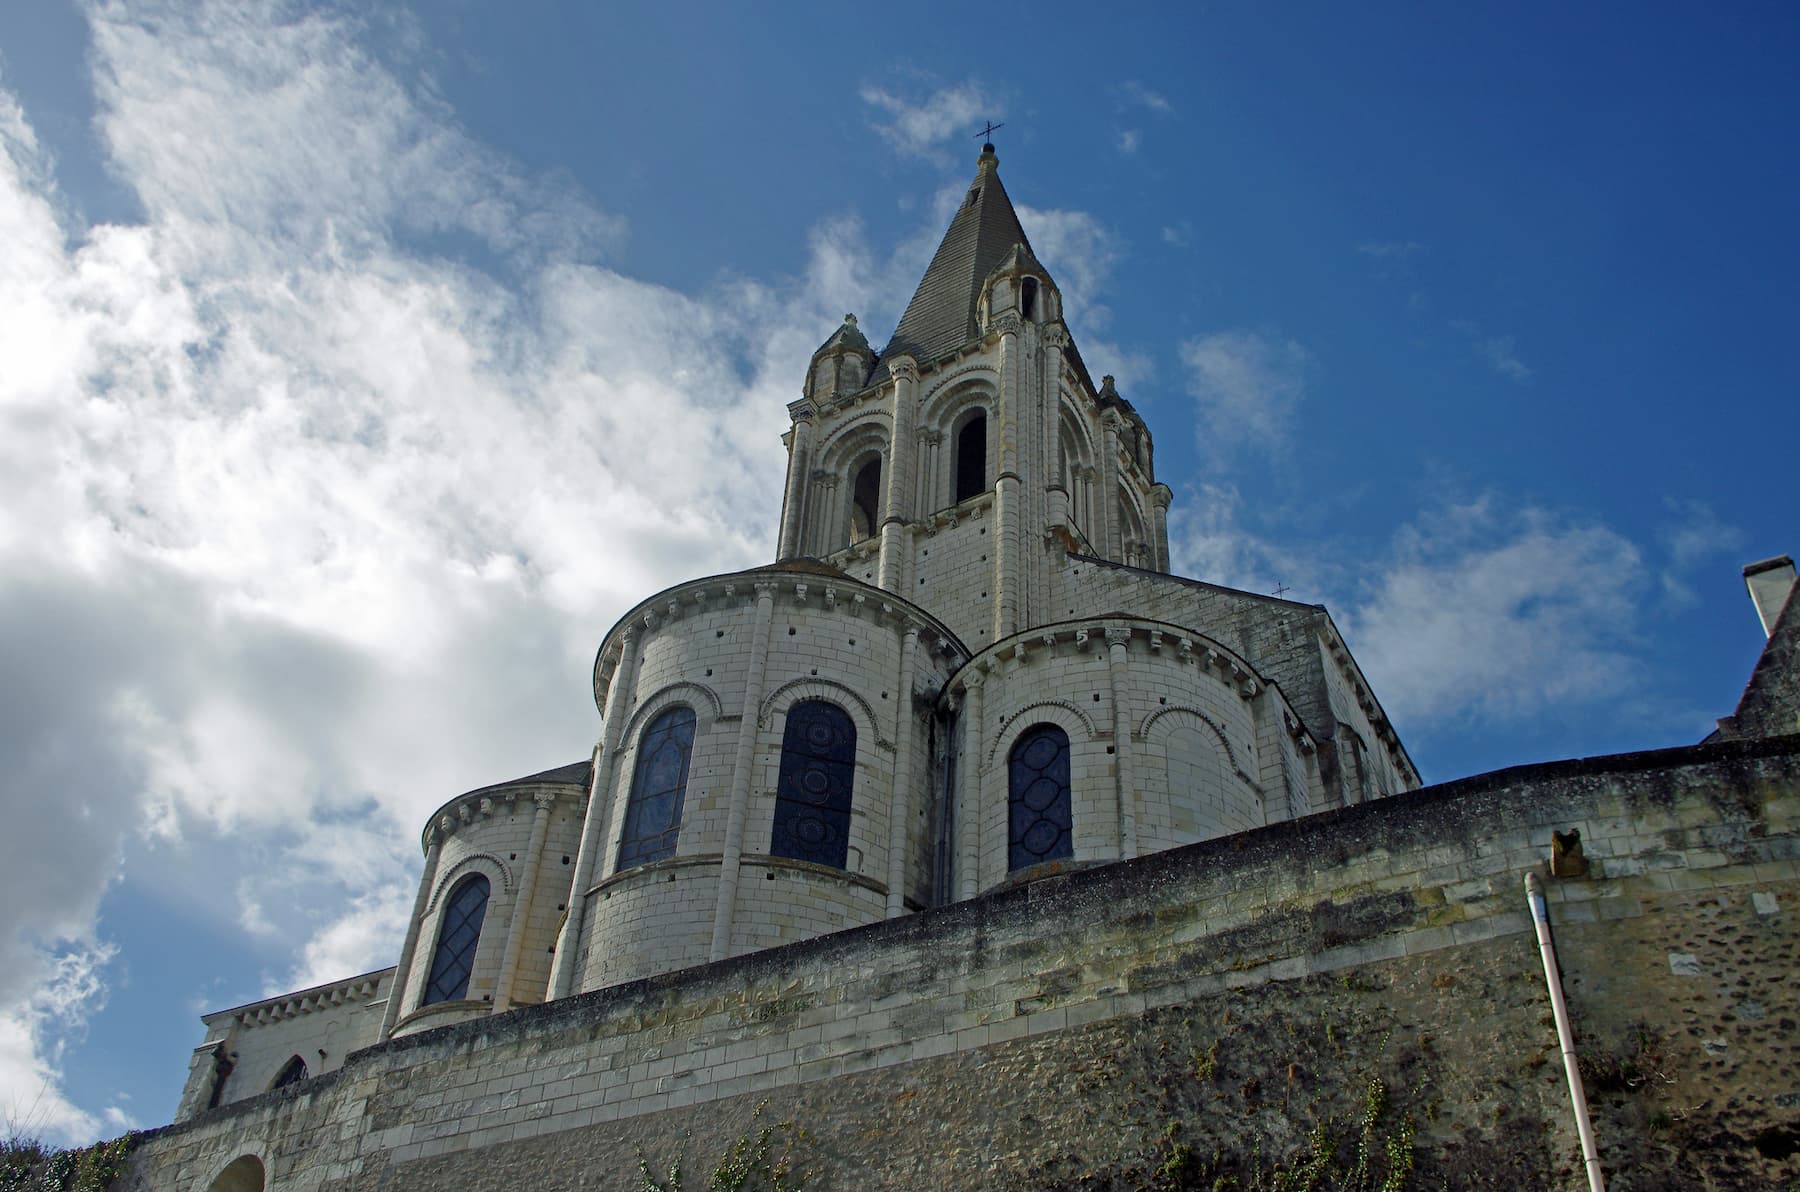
{"type": "Point", "coordinates": [1226, 997]}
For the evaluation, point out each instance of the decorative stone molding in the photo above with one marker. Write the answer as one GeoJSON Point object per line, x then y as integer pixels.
{"type": "Point", "coordinates": [1142, 733]}
{"type": "Point", "coordinates": [1002, 733]}
{"type": "Point", "coordinates": [306, 1001]}
{"type": "Point", "coordinates": [903, 368]}
{"type": "Point", "coordinates": [1008, 323]}
{"type": "Point", "coordinates": [824, 689]}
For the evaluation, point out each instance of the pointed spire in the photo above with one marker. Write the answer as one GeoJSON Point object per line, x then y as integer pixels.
{"type": "Point", "coordinates": [941, 316]}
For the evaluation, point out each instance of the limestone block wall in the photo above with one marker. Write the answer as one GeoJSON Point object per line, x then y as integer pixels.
{"type": "Point", "coordinates": [823, 637]}
{"type": "Point", "coordinates": [1224, 995]}
{"type": "Point", "coordinates": [321, 1025]}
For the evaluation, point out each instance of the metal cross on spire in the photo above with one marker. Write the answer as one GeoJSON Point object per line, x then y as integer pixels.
{"type": "Point", "coordinates": [987, 136]}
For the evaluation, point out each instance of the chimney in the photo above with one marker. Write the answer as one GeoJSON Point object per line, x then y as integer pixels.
{"type": "Point", "coordinates": [1769, 582]}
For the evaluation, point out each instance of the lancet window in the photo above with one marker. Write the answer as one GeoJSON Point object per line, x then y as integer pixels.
{"type": "Point", "coordinates": [658, 787]}
{"type": "Point", "coordinates": [971, 458]}
{"type": "Point", "coordinates": [812, 794]}
{"type": "Point", "coordinates": [865, 502]}
{"type": "Point", "coordinates": [1038, 812]}
{"type": "Point", "coordinates": [292, 1072]}
{"type": "Point", "coordinates": [454, 957]}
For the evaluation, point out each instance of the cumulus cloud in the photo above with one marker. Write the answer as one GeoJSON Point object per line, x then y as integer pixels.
{"type": "Point", "coordinates": [305, 528]}
{"type": "Point", "coordinates": [921, 127]}
{"type": "Point", "coordinates": [1481, 612]}
{"type": "Point", "coordinates": [1248, 386]}
{"type": "Point", "coordinates": [1128, 141]}
{"type": "Point", "coordinates": [1080, 252]}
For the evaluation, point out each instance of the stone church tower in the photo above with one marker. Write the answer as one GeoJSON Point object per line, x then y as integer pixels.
{"type": "Point", "coordinates": [969, 666]}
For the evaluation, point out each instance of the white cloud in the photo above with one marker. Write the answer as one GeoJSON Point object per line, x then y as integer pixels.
{"type": "Point", "coordinates": [1248, 386]}
{"type": "Point", "coordinates": [920, 127]}
{"type": "Point", "coordinates": [1142, 96]}
{"type": "Point", "coordinates": [304, 530]}
{"type": "Point", "coordinates": [1129, 139]}
{"type": "Point", "coordinates": [1500, 351]}
{"type": "Point", "coordinates": [1693, 535]}
{"type": "Point", "coordinates": [1483, 613]}
{"type": "Point", "coordinates": [1180, 235]}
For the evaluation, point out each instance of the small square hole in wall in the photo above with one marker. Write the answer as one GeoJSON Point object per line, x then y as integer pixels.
{"type": "Point", "coordinates": [984, 558]}
{"type": "Point", "coordinates": [565, 860]}
{"type": "Point", "coordinates": [770, 876]}
{"type": "Point", "coordinates": [790, 631]}
{"type": "Point", "coordinates": [1109, 749]}
{"type": "Point", "coordinates": [815, 671]}
{"type": "Point", "coordinates": [1162, 699]}
{"type": "Point", "coordinates": [718, 633]}
{"type": "Point", "coordinates": [512, 856]}
{"type": "Point", "coordinates": [984, 595]}
{"type": "Point", "coordinates": [884, 695]}
{"type": "Point", "coordinates": [709, 672]}
{"type": "Point", "coordinates": [853, 641]}
{"type": "Point", "coordinates": [984, 529]}
{"type": "Point", "coordinates": [1096, 697]}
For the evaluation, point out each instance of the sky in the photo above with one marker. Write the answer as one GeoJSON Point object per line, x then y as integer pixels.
{"type": "Point", "coordinates": [360, 364]}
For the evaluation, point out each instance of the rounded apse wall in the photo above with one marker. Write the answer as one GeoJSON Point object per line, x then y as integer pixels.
{"type": "Point", "coordinates": [1113, 737]}
{"type": "Point", "coordinates": [494, 890]}
{"type": "Point", "coordinates": [766, 777]}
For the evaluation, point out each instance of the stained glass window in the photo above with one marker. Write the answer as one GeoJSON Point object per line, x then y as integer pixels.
{"type": "Point", "coordinates": [461, 931]}
{"type": "Point", "coordinates": [653, 813]}
{"type": "Point", "coordinates": [1038, 815]}
{"type": "Point", "coordinates": [293, 1072]}
{"type": "Point", "coordinates": [812, 796]}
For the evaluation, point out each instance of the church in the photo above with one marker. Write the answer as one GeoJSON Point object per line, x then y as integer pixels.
{"type": "Point", "coordinates": [965, 772]}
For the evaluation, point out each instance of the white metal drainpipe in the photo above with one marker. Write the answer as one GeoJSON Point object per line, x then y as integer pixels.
{"type": "Point", "coordinates": [1540, 918]}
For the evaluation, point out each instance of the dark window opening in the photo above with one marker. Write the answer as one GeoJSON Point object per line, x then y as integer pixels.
{"type": "Point", "coordinates": [971, 458]}
{"type": "Point", "coordinates": [865, 502]}
{"type": "Point", "coordinates": [658, 787]}
{"type": "Point", "coordinates": [223, 1062]}
{"type": "Point", "coordinates": [293, 1072]}
{"type": "Point", "coordinates": [812, 794]}
{"type": "Point", "coordinates": [1037, 804]}
{"type": "Point", "coordinates": [1028, 297]}
{"type": "Point", "coordinates": [454, 958]}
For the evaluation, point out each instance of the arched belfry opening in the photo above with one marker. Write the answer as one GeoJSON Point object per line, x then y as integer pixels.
{"type": "Point", "coordinates": [1028, 294]}
{"type": "Point", "coordinates": [243, 1174]}
{"type": "Point", "coordinates": [865, 502]}
{"type": "Point", "coordinates": [971, 458]}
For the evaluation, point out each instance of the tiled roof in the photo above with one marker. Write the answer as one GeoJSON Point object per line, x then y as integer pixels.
{"type": "Point", "coordinates": [941, 316]}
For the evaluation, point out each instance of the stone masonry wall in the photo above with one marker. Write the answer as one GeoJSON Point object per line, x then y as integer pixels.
{"type": "Point", "coordinates": [1240, 1002]}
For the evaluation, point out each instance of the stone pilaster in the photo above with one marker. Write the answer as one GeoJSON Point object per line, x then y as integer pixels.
{"type": "Point", "coordinates": [1118, 639]}
{"type": "Point", "coordinates": [434, 840]}
{"type": "Point", "coordinates": [521, 915]}
{"type": "Point", "coordinates": [899, 822]}
{"type": "Point", "coordinates": [793, 501]}
{"type": "Point", "coordinates": [895, 513]}
{"type": "Point", "coordinates": [742, 763]}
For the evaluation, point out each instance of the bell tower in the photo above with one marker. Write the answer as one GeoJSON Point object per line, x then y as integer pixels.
{"type": "Point", "coordinates": [958, 465]}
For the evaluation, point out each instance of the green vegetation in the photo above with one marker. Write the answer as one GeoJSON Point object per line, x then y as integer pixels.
{"type": "Point", "coordinates": [747, 1165]}
{"type": "Point", "coordinates": [28, 1165]}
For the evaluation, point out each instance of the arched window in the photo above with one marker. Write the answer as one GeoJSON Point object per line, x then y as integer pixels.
{"type": "Point", "coordinates": [812, 796]}
{"type": "Point", "coordinates": [1028, 297]}
{"type": "Point", "coordinates": [1037, 801]}
{"type": "Point", "coordinates": [971, 458]}
{"type": "Point", "coordinates": [653, 812]}
{"type": "Point", "coordinates": [292, 1072]}
{"type": "Point", "coordinates": [454, 958]}
{"type": "Point", "coordinates": [865, 502]}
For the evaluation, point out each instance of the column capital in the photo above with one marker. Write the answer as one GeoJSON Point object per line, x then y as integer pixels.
{"type": "Point", "coordinates": [1118, 635]}
{"type": "Point", "coordinates": [544, 800]}
{"type": "Point", "coordinates": [1006, 324]}
{"type": "Point", "coordinates": [903, 368]}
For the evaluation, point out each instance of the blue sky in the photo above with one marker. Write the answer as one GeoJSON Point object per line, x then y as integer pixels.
{"type": "Point", "coordinates": [359, 370]}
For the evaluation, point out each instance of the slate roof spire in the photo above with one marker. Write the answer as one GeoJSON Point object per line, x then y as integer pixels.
{"type": "Point", "coordinates": [941, 316]}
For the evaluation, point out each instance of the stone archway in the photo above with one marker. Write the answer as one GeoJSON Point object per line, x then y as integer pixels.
{"type": "Point", "coordinates": [243, 1174]}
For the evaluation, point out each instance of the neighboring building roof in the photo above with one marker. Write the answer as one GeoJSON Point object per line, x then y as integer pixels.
{"type": "Point", "coordinates": [574, 774]}
{"type": "Point", "coordinates": [1770, 706]}
{"type": "Point", "coordinates": [941, 316]}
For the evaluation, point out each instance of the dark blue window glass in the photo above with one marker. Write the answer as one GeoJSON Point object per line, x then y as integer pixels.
{"type": "Point", "coordinates": [812, 796]}
{"type": "Point", "coordinates": [1037, 802]}
{"type": "Point", "coordinates": [455, 955]}
{"type": "Point", "coordinates": [653, 813]}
